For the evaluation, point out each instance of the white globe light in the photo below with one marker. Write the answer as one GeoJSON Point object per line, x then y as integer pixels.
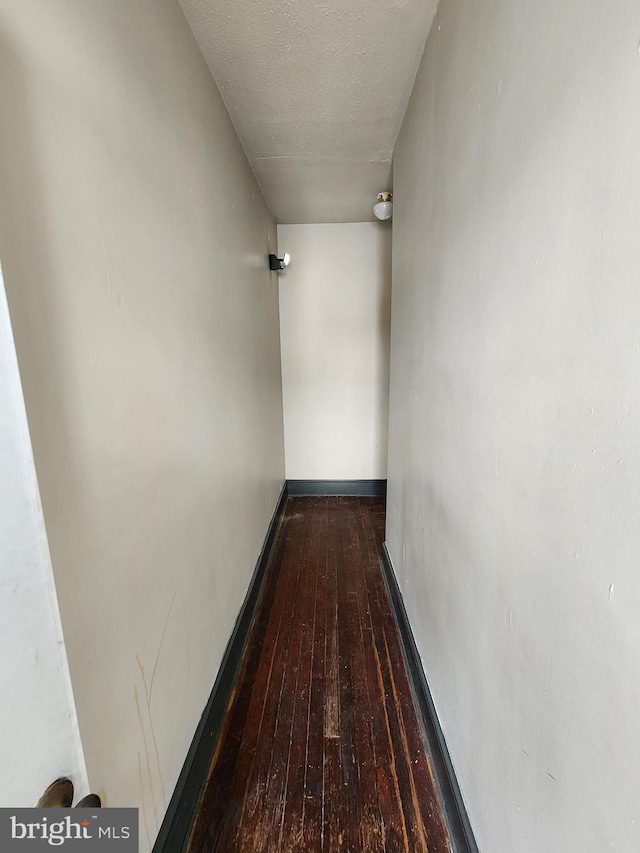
{"type": "Point", "coordinates": [383, 209]}
{"type": "Point", "coordinates": [286, 259]}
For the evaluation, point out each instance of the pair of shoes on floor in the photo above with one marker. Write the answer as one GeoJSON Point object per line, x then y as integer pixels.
{"type": "Point", "coordinates": [60, 795]}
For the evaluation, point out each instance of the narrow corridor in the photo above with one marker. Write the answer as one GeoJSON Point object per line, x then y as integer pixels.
{"type": "Point", "coordinates": [322, 748]}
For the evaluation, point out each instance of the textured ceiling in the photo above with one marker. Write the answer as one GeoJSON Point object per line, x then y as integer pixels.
{"type": "Point", "coordinates": [317, 92]}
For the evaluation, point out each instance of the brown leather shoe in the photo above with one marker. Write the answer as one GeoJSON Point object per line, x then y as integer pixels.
{"type": "Point", "coordinates": [91, 801]}
{"type": "Point", "coordinates": [59, 794]}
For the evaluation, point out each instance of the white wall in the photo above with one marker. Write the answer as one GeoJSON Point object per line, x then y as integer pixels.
{"type": "Point", "coordinates": [40, 735]}
{"type": "Point", "coordinates": [514, 465]}
{"type": "Point", "coordinates": [135, 239]}
{"type": "Point", "coordinates": [334, 326]}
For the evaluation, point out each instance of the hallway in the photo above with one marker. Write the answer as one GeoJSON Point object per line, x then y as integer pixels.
{"type": "Point", "coordinates": [322, 747]}
{"type": "Point", "coordinates": [165, 387]}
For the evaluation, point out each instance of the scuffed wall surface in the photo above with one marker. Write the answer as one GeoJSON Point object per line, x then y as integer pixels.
{"type": "Point", "coordinates": [514, 469]}
{"type": "Point", "coordinates": [134, 240]}
{"type": "Point", "coordinates": [38, 724]}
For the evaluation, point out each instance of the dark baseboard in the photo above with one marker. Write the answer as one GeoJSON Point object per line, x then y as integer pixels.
{"type": "Point", "coordinates": [454, 809]}
{"type": "Point", "coordinates": [360, 488]}
{"type": "Point", "coordinates": [176, 826]}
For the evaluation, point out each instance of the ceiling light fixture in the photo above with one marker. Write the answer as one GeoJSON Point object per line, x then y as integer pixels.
{"type": "Point", "coordinates": [276, 263]}
{"type": "Point", "coordinates": [383, 209]}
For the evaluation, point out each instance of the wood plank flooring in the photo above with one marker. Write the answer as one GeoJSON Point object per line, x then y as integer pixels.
{"type": "Point", "coordinates": [322, 749]}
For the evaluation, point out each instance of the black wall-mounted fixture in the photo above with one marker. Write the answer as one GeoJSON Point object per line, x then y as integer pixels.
{"type": "Point", "coordinates": [276, 263]}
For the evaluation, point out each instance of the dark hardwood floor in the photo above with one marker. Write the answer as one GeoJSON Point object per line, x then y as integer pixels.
{"type": "Point", "coordinates": [322, 749]}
